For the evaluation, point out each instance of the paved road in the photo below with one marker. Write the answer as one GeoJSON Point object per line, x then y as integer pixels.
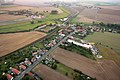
{"type": "Point", "coordinates": [44, 56]}
{"type": "Point", "coordinates": [19, 77]}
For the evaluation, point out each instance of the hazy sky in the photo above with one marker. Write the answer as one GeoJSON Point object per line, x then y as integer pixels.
{"type": "Point", "coordinates": [41, 1]}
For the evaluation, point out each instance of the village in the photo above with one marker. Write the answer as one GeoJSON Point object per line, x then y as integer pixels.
{"type": "Point", "coordinates": [52, 45]}
{"type": "Point", "coordinates": [62, 33]}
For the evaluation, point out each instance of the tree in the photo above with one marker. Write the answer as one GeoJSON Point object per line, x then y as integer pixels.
{"type": "Point", "coordinates": [66, 74]}
{"type": "Point", "coordinates": [32, 22]}
{"type": "Point", "coordinates": [54, 12]}
{"type": "Point", "coordinates": [54, 66]}
{"type": "Point", "coordinates": [3, 77]}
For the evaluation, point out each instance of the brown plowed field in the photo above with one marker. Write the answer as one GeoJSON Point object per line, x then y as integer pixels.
{"type": "Point", "coordinates": [102, 70]}
{"type": "Point", "coordinates": [108, 14]}
{"type": "Point", "coordinates": [6, 17]}
{"type": "Point", "coordinates": [109, 11]}
{"type": "Point", "coordinates": [111, 7]}
{"type": "Point", "coordinates": [13, 41]}
{"type": "Point", "coordinates": [48, 74]}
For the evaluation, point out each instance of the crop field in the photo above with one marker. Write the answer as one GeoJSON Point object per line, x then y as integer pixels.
{"type": "Point", "coordinates": [13, 41]}
{"type": "Point", "coordinates": [107, 39]}
{"type": "Point", "coordinates": [26, 25]}
{"type": "Point", "coordinates": [48, 73]}
{"type": "Point", "coordinates": [102, 69]}
{"type": "Point", "coordinates": [105, 14]}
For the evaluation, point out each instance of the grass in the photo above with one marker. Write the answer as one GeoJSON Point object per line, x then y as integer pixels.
{"type": "Point", "coordinates": [71, 73]}
{"type": "Point", "coordinates": [75, 20]}
{"type": "Point", "coordinates": [21, 26]}
{"type": "Point", "coordinates": [61, 68]}
{"type": "Point", "coordinates": [110, 40]}
{"type": "Point", "coordinates": [109, 54]}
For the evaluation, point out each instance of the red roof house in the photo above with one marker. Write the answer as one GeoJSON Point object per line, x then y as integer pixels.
{"type": "Point", "coordinates": [22, 66]}
{"type": "Point", "coordinates": [9, 77]}
{"type": "Point", "coordinates": [16, 71]}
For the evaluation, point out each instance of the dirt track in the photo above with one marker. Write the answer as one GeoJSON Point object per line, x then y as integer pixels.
{"type": "Point", "coordinates": [102, 70]}
{"type": "Point", "coordinates": [14, 41]}
{"type": "Point", "coordinates": [48, 74]}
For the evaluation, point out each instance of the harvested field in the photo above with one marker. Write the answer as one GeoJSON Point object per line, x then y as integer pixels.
{"type": "Point", "coordinates": [106, 18]}
{"type": "Point", "coordinates": [39, 9]}
{"type": "Point", "coordinates": [48, 74]}
{"type": "Point", "coordinates": [109, 12]}
{"type": "Point", "coordinates": [85, 19]}
{"type": "Point", "coordinates": [102, 69]}
{"type": "Point", "coordinates": [111, 7]}
{"type": "Point", "coordinates": [14, 41]}
{"type": "Point", "coordinates": [106, 15]}
{"type": "Point", "coordinates": [6, 17]}
{"type": "Point", "coordinates": [89, 13]}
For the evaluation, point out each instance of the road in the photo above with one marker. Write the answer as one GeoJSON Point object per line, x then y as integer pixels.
{"type": "Point", "coordinates": [44, 56]}
{"type": "Point", "coordinates": [19, 77]}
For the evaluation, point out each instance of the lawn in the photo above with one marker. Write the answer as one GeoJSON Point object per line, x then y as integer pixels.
{"type": "Point", "coordinates": [21, 26]}
{"type": "Point", "coordinates": [110, 40]}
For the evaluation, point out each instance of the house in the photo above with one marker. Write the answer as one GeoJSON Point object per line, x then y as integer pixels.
{"type": "Point", "coordinates": [22, 66]}
{"type": "Point", "coordinates": [9, 77]}
{"type": "Point", "coordinates": [80, 44]}
{"type": "Point", "coordinates": [33, 59]}
{"type": "Point", "coordinates": [16, 71]}
{"type": "Point", "coordinates": [34, 53]}
{"type": "Point", "coordinates": [27, 62]}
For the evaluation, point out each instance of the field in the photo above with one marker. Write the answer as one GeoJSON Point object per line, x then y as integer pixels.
{"type": "Point", "coordinates": [107, 39]}
{"type": "Point", "coordinates": [107, 14]}
{"type": "Point", "coordinates": [6, 17]}
{"type": "Point", "coordinates": [111, 7]}
{"type": "Point", "coordinates": [14, 41]}
{"type": "Point", "coordinates": [109, 54]}
{"type": "Point", "coordinates": [102, 69]}
{"type": "Point", "coordinates": [48, 74]}
{"type": "Point", "coordinates": [26, 25]}
{"type": "Point", "coordinates": [39, 9]}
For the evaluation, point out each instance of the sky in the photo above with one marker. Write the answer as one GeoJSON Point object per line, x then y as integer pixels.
{"type": "Point", "coordinates": [42, 1]}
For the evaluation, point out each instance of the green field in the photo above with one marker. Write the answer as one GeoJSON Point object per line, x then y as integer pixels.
{"type": "Point", "coordinates": [110, 40]}
{"type": "Point", "coordinates": [71, 73]}
{"type": "Point", "coordinates": [21, 26]}
{"type": "Point", "coordinates": [67, 71]}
